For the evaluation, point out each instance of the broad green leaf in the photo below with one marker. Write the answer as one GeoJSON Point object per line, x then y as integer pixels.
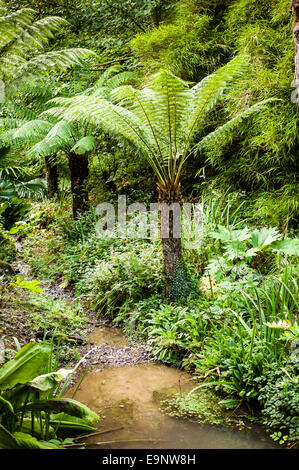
{"type": "Point", "coordinates": [49, 381]}
{"type": "Point", "coordinates": [7, 441]}
{"type": "Point", "coordinates": [84, 145]}
{"type": "Point", "coordinates": [264, 237]}
{"type": "Point", "coordinates": [227, 235]}
{"type": "Point", "coordinates": [289, 246]}
{"type": "Point", "coordinates": [64, 421]}
{"type": "Point", "coordinates": [65, 405]}
{"type": "Point", "coordinates": [29, 362]}
{"type": "Point", "coordinates": [6, 404]}
{"type": "Point", "coordinates": [26, 441]}
{"type": "Point", "coordinates": [26, 428]}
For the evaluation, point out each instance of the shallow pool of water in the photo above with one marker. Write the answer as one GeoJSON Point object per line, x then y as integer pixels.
{"type": "Point", "coordinates": [127, 399]}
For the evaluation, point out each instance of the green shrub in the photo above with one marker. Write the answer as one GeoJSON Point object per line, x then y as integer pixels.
{"type": "Point", "coordinates": [280, 401]}
{"type": "Point", "coordinates": [124, 277]}
{"type": "Point", "coordinates": [7, 247]}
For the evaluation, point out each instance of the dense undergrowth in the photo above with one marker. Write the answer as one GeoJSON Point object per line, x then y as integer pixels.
{"type": "Point", "coordinates": [237, 329]}
{"type": "Point", "coordinates": [233, 319]}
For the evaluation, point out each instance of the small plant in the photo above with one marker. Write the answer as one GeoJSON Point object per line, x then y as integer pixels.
{"type": "Point", "coordinates": [277, 436]}
{"type": "Point", "coordinates": [32, 286]}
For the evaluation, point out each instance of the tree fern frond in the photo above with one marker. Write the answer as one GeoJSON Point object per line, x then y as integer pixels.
{"type": "Point", "coordinates": [171, 98]}
{"type": "Point", "coordinates": [108, 73]}
{"type": "Point", "coordinates": [119, 79]}
{"type": "Point", "coordinates": [207, 94]}
{"type": "Point", "coordinates": [84, 145]}
{"type": "Point", "coordinates": [141, 103]}
{"type": "Point", "coordinates": [111, 118]}
{"type": "Point", "coordinates": [11, 123]}
{"type": "Point", "coordinates": [20, 111]}
{"type": "Point", "coordinates": [32, 189]}
{"type": "Point", "coordinates": [32, 131]}
{"type": "Point", "coordinates": [112, 78]}
{"type": "Point", "coordinates": [60, 137]}
{"type": "Point", "coordinates": [224, 133]}
{"type": "Point", "coordinates": [39, 66]}
{"type": "Point", "coordinates": [11, 25]}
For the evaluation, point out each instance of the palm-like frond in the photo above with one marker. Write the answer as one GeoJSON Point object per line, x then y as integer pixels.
{"type": "Point", "coordinates": [112, 78]}
{"type": "Point", "coordinates": [112, 118]}
{"type": "Point", "coordinates": [18, 111]}
{"type": "Point", "coordinates": [32, 131]}
{"type": "Point", "coordinates": [11, 123]}
{"type": "Point", "coordinates": [31, 189]}
{"type": "Point", "coordinates": [84, 145]}
{"type": "Point", "coordinates": [224, 133]}
{"type": "Point", "coordinates": [206, 94]}
{"type": "Point", "coordinates": [36, 69]}
{"type": "Point", "coordinates": [61, 136]}
{"type": "Point", "coordinates": [12, 25]}
{"type": "Point", "coordinates": [161, 119]}
{"type": "Point", "coordinates": [22, 41]}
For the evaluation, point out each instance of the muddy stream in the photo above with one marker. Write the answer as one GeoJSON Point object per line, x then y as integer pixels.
{"type": "Point", "coordinates": [125, 388]}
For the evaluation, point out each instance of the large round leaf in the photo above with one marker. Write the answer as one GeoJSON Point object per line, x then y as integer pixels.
{"type": "Point", "coordinates": [29, 362]}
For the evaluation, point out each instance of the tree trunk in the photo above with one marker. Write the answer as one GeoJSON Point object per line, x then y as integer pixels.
{"type": "Point", "coordinates": [295, 11]}
{"type": "Point", "coordinates": [170, 204]}
{"type": "Point", "coordinates": [156, 15]}
{"type": "Point", "coordinates": [51, 176]}
{"type": "Point", "coordinates": [78, 165]}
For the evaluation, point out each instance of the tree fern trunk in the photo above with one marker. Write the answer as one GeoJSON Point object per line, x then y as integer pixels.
{"type": "Point", "coordinates": [78, 165]}
{"type": "Point", "coordinates": [156, 15]}
{"type": "Point", "coordinates": [295, 11]}
{"type": "Point", "coordinates": [170, 203]}
{"type": "Point", "coordinates": [51, 176]}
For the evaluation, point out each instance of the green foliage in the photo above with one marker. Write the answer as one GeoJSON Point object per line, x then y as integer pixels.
{"type": "Point", "coordinates": [56, 316]}
{"type": "Point", "coordinates": [28, 398]}
{"type": "Point", "coordinates": [7, 247]}
{"type": "Point", "coordinates": [32, 286]}
{"type": "Point", "coordinates": [182, 284]}
{"type": "Point", "coordinates": [127, 274]}
{"type": "Point", "coordinates": [161, 120]}
{"type": "Point", "coordinates": [174, 332]}
{"type": "Point", "coordinates": [23, 40]}
{"type": "Point", "coordinates": [279, 398]}
{"type": "Point", "coordinates": [262, 161]}
{"type": "Point", "coordinates": [184, 47]}
{"type": "Point", "coordinates": [235, 322]}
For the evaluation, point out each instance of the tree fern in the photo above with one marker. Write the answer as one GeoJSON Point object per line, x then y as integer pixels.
{"type": "Point", "coordinates": [162, 121]}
